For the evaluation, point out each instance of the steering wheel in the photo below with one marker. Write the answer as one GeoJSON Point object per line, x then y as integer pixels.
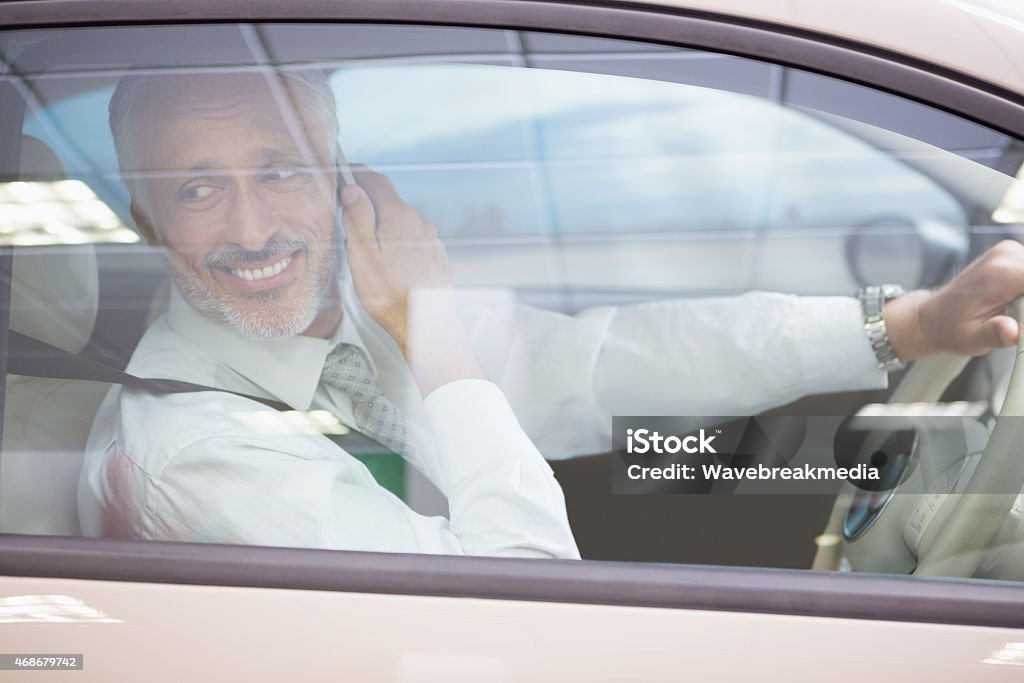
{"type": "Point", "coordinates": [950, 510]}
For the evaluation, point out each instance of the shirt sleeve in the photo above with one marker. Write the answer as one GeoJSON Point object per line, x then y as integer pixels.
{"type": "Point", "coordinates": [566, 376]}
{"type": "Point", "coordinates": [732, 355]}
{"type": "Point", "coordinates": [490, 470]}
{"type": "Point", "coordinates": [304, 491]}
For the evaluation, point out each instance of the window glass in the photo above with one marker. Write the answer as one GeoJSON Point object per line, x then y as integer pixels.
{"type": "Point", "coordinates": [552, 233]}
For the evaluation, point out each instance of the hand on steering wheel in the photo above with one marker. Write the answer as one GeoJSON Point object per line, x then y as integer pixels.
{"type": "Point", "coordinates": [942, 530]}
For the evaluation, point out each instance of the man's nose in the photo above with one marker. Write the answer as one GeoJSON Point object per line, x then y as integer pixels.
{"type": "Point", "coordinates": [251, 221]}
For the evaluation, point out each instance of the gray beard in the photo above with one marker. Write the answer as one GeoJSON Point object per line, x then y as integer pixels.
{"type": "Point", "coordinates": [270, 324]}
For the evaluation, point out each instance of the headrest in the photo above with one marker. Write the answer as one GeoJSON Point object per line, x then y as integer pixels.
{"type": "Point", "coordinates": [55, 289]}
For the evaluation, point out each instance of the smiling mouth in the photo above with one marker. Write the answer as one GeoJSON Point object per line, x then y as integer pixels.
{"type": "Point", "coordinates": [254, 274]}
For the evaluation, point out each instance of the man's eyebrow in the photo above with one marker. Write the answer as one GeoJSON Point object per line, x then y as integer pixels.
{"type": "Point", "coordinates": [277, 153]}
{"type": "Point", "coordinates": [265, 155]}
{"type": "Point", "coordinates": [200, 167]}
{"type": "Point", "coordinates": [175, 173]}
{"type": "Point", "coordinates": [206, 167]}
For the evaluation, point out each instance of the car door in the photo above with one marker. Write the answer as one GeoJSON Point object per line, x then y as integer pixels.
{"type": "Point", "coordinates": [656, 184]}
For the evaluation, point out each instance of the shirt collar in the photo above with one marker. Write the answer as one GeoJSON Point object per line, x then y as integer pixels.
{"type": "Point", "coordinates": [287, 369]}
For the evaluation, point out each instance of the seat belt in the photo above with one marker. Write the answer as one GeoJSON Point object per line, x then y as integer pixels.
{"type": "Point", "coordinates": [34, 358]}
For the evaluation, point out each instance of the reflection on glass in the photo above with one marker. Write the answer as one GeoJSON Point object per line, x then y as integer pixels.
{"type": "Point", "coordinates": [1011, 209]}
{"type": "Point", "coordinates": [21, 609]}
{"type": "Point", "coordinates": [1010, 654]}
{"type": "Point", "coordinates": [60, 212]}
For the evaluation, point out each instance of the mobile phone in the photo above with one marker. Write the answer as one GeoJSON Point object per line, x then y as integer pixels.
{"type": "Point", "coordinates": [344, 170]}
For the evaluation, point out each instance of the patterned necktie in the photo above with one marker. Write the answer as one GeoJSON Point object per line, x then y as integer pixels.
{"type": "Point", "coordinates": [348, 369]}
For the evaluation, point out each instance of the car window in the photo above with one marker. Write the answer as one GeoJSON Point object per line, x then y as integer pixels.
{"type": "Point", "coordinates": [628, 230]}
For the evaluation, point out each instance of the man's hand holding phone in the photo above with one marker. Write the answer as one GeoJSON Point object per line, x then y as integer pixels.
{"type": "Point", "coordinates": [399, 268]}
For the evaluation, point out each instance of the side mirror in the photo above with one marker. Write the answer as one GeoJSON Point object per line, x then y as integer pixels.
{"type": "Point", "coordinates": [909, 252]}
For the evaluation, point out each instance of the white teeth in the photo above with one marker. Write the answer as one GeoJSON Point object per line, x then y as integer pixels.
{"type": "Point", "coordinates": [261, 273]}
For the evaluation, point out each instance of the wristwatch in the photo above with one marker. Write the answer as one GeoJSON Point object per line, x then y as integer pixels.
{"type": "Point", "coordinates": [872, 300]}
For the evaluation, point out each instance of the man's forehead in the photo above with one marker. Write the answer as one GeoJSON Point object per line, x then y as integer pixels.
{"type": "Point", "coordinates": [189, 108]}
{"type": "Point", "coordinates": [197, 94]}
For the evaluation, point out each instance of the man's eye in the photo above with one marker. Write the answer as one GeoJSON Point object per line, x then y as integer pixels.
{"type": "Point", "coordinates": [274, 175]}
{"type": "Point", "coordinates": [196, 193]}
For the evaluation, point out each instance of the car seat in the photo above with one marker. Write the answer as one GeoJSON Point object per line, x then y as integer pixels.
{"type": "Point", "coordinates": [54, 298]}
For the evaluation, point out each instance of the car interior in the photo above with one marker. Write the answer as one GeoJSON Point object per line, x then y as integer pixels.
{"type": "Point", "coordinates": [92, 291]}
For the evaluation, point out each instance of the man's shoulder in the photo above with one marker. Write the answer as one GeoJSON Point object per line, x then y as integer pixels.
{"type": "Point", "coordinates": [152, 427]}
{"type": "Point", "coordinates": [165, 353]}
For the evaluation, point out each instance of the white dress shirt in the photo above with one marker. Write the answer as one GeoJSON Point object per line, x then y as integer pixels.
{"type": "Point", "coordinates": [186, 467]}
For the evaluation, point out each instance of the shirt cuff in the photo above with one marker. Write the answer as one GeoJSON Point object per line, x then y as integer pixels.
{"type": "Point", "coordinates": [474, 427]}
{"type": "Point", "coordinates": [834, 347]}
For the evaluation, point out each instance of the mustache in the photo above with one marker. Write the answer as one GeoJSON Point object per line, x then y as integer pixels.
{"type": "Point", "coordinates": [233, 255]}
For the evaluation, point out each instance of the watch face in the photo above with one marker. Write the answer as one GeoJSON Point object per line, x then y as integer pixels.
{"type": "Point", "coordinates": [890, 292]}
{"type": "Point", "coordinates": [872, 299]}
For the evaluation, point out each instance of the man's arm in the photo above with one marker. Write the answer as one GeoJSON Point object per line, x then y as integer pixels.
{"type": "Point", "coordinates": [483, 461]}
{"type": "Point", "coordinates": [735, 355]}
{"type": "Point", "coordinates": [566, 375]}
{"type": "Point", "coordinates": [210, 481]}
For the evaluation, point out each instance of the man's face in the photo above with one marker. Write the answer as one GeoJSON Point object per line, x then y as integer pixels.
{"type": "Point", "coordinates": [248, 220]}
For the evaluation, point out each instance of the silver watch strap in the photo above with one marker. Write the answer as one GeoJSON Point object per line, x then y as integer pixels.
{"type": "Point", "coordinates": [872, 299]}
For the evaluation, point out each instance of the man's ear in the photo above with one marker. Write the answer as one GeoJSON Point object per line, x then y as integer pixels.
{"type": "Point", "coordinates": [144, 225]}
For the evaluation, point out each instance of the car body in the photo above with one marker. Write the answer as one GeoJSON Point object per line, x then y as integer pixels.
{"type": "Point", "coordinates": [808, 148]}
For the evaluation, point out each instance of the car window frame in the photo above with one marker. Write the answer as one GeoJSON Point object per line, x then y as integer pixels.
{"type": "Point", "coordinates": [957, 93]}
{"type": "Point", "coordinates": [794, 592]}
{"type": "Point", "coordinates": [966, 602]}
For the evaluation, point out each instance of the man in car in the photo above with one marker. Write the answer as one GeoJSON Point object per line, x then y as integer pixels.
{"type": "Point", "coordinates": [242, 194]}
